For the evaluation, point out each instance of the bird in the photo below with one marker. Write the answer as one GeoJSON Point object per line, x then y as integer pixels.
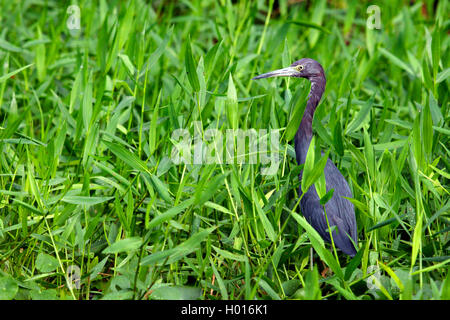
{"type": "Point", "coordinates": [339, 210]}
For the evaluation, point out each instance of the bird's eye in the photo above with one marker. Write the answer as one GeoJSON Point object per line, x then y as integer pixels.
{"type": "Point", "coordinates": [299, 67]}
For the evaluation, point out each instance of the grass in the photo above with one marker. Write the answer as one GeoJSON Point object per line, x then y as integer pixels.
{"type": "Point", "coordinates": [91, 206]}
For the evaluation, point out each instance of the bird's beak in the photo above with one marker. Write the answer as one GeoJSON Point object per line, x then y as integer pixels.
{"type": "Point", "coordinates": [285, 72]}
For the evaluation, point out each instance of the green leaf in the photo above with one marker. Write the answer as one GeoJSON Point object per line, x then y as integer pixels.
{"type": "Point", "coordinates": [337, 139]}
{"type": "Point", "coordinates": [298, 105]}
{"type": "Point", "coordinates": [318, 245]}
{"type": "Point", "coordinates": [44, 294]}
{"type": "Point", "coordinates": [435, 50]}
{"type": "Point", "coordinates": [232, 105]}
{"type": "Point", "coordinates": [169, 214]}
{"type": "Point", "coordinates": [154, 57]}
{"type": "Point", "coordinates": [124, 245]}
{"type": "Point", "coordinates": [443, 75]}
{"type": "Point", "coordinates": [12, 73]}
{"type": "Point", "coordinates": [312, 289]}
{"type": "Point", "coordinates": [8, 288]}
{"type": "Point", "coordinates": [152, 139]}
{"type": "Point", "coordinates": [220, 282]}
{"type": "Point", "coordinates": [445, 288]}
{"type": "Point", "coordinates": [327, 197]}
{"type": "Point", "coordinates": [40, 56]}
{"type": "Point", "coordinates": [126, 156]}
{"type": "Point", "coordinates": [417, 143]}
{"type": "Point", "coordinates": [397, 61]}
{"type": "Point", "coordinates": [228, 255]}
{"type": "Point", "coordinates": [46, 263]}
{"type": "Point", "coordinates": [308, 24]}
{"type": "Point", "coordinates": [97, 269]}
{"type": "Point", "coordinates": [211, 58]}
{"type": "Point", "coordinates": [316, 19]}
{"type": "Point", "coordinates": [159, 186]}
{"type": "Point", "coordinates": [176, 293]}
{"type": "Point", "coordinates": [369, 154]}
{"type": "Point", "coordinates": [427, 131]}
{"type": "Point", "coordinates": [85, 200]}
{"type": "Point", "coordinates": [5, 45]}
{"type": "Point", "coordinates": [87, 104]}
{"type": "Point", "coordinates": [131, 70]}
{"type": "Point", "coordinates": [190, 67]}
{"type": "Point", "coordinates": [361, 116]}
{"type": "Point", "coordinates": [268, 228]}
{"type": "Point", "coordinates": [270, 291]}
{"type": "Point", "coordinates": [175, 254]}
{"type": "Point", "coordinates": [426, 78]}
{"type": "Point", "coordinates": [353, 264]}
{"type": "Point", "coordinates": [312, 170]}
{"type": "Point", "coordinates": [210, 187]}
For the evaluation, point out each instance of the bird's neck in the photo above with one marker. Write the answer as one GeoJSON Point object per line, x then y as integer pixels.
{"type": "Point", "coordinates": [304, 132]}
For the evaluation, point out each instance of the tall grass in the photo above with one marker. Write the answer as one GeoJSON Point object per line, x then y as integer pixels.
{"type": "Point", "coordinates": [91, 206]}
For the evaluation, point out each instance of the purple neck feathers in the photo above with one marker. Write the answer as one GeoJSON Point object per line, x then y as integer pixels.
{"type": "Point", "coordinates": [304, 132]}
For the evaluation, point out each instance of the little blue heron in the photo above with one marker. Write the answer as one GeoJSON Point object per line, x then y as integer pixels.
{"type": "Point", "coordinates": [339, 210]}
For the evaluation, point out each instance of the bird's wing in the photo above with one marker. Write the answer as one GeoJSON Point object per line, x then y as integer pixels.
{"type": "Point", "coordinates": [313, 212]}
{"type": "Point", "coordinates": [343, 208]}
{"type": "Point", "coordinates": [340, 211]}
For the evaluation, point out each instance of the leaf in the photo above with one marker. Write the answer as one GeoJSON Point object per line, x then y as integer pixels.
{"type": "Point", "coordinates": [326, 197]}
{"type": "Point", "coordinates": [353, 264]}
{"type": "Point", "coordinates": [160, 187]}
{"type": "Point", "coordinates": [153, 125]}
{"type": "Point", "coordinates": [154, 57]}
{"type": "Point", "coordinates": [369, 155]}
{"type": "Point", "coordinates": [317, 17]}
{"type": "Point", "coordinates": [211, 186]}
{"type": "Point", "coordinates": [97, 269]}
{"type": "Point", "coordinates": [312, 289]}
{"type": "Point", "coordinates": [124, 245]}
{"type": "Point", "coordinates": [46, 263]}
{"type": "Point", "coordinates": [44, 294]}
{"type": "Point", "coordinates": [309, 25]}
{"type": "Point", "coordinates": [40, 56]}
{"type": "Point", "coordinates": [268, 228]}
{"type": "Point", "coordinates": [169, 214]}
{"type": "Point", "coordinates": [87, 104]}
{"type": "Point", "coordinates": [298, 105]}
{"type": "Point", "coordinates": [443, 75]}
{"type": "Point", "coordinates": [312, 170]}
{"type": "Point", "coordinates": [445, 288]}
{"type": "Point", "coordinates": [427, 131]}
{"type": "Point", "coordinates": [9, 46]}
{"type": "Point", "coordinates": [12, 73]}
{"type": "Point", "coordinates": [417, 143]}
{"type": "Point", "coordinates": [211, 58]}
{"type": "Point", "coordinates": [131, 70]}
{"type": "Point", "coordinates": [232, 105]}
{"type": "Point", "coordinates": [397, 61]}
{"type": "Point", "coordinates": [337, 139]}
{"type": "Point", "coordinates": [175, 254]}
{"type": "Point", "coordinates": [8, 288]}
{"type": "Point", "coordinates": [126, 156]}
{"type": "Point", "coordinates": [361, 116]}
{"type": "Point", "coordinates": [85, 200]}
{"type": "Point", "coordinates": [270, 291]}
{"type": "Point", "coordinates": [435, 49]}
{"type": "Point", "coordinates": [190, 67]}
{"type": "Point", "coordinates": [318, 245]}
{"type": "Point", "coordinates": [220, 282]}
{"type": "Point", "coordinates": [176, 293]}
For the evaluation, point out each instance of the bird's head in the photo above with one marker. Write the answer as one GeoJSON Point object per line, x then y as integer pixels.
{"type": "Point", "coordinates": [303, 68]}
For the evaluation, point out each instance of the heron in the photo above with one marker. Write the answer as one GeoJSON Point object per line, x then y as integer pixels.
{"type": "Point", "coordinates": [339, 210]}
